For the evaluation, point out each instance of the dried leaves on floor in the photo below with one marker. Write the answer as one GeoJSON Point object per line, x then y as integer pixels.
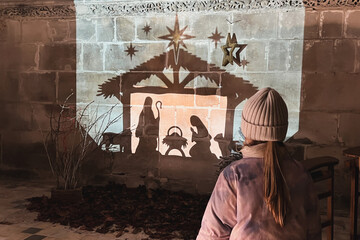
{"type": "Point", "coordinates": [164, 215]}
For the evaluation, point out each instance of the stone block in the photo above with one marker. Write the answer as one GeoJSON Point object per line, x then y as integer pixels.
{"type": "Point", "coordinates": [16, 116]}
{"type": "Point", "coordinates": [12, 137]}
{"type": "Point", "coordinates": [206, 82]}
{"type": "Point", "coordinates": [295, 55]}
{"type": "Point", "coordinates": [331, 92]}
{"type": "Point", "coordinates": [117, 59]}
{"type": "Point", "coordinates": [105, 29]}
{"type": "Point", "coordinates": [24, 150]}
{"type": "Point", "coordinates": [291, 24]}
{"type": "Point", "coordinates": [85, 30]}
{"type": "Point", "coordinates": [41, 114]}
{"type": "Point", "coordinates": [319, 127]}
{"type": "Point", "coordinates": [10, 31]}
{"type": "Point", "coordinates": [3, 30]}
{"type": "Point", "coordinates": [311, 25]}
{"type": "Point", "coordinates": [293, 118]}
{"type": "Point", "coordinates": [204, 26]}
{"type": "Point", "coordinates": [10, 86]}
{"type": "Point", "coordinates": [171, 101]}
{"type": "Point", "coordinates": [318, 56]}
{"type": "Point", "coordinates": [344, 55]}
{"type": "Point", "coordinates": [155, 81]}
{"type": "Point", "coordinates": [255, 25]}
{"type": "Point", "coordinates": [331, 24]}
{"type": "Point", "coordinates": [349, 128]}
{"type": "Point", "coordinates": [66, 85]}
{"type": "Point", "coordinates": [125, 29]}
{"type": "Point", "coordinates": [58, 30]}
{"type": "Point", "coordinates": [87, 87]}
{"type": "Point", "coordinates": [200, 55]}
{"type": "Point", "coordinates": [200, 50]}
{"type": "Point", "coordinates": [72, 30]}
{"type": "Point", "coordinates": [217, 123]}
{"type": "Point", "coordinates": [79, 56]}
{"type": "Point", "coordinates": [288, 84]}
{"type": "Point", "coordinates": [158, 27]}
{"type": "Point", "coordinates": [93, 57]}
{"type": "Point", "coordinates": [211, 101]}
{"type": "Point", "coordinates": [357, 60]}
{"type": "Point", "coordinates": [58, 57]}
{"type": "Point", "coordinates": [35, 31]}
{"type": "Point", "coordinates": [278, 55]}
{"type": "Point", "coordinates": [19, 57]}
{"type": "Point", "coordinates": [352, 28]}
{"type": "Point", "coordinates": [256, 56]}
{"type": "Point", "coordinates": [38, 86]}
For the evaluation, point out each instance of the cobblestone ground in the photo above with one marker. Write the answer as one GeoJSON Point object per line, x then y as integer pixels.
{"type": "Point", "coordinates": [17, 223]}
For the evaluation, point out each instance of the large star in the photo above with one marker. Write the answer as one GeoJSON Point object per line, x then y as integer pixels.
{"type": "Point", "coordinates": [131, 51]}
{"type": "Point", "coordinates": [216, 37]}
{"type": "Point", "coordinates": [176, 38]}
{"type": "Point", "coordinates": [231, 42]}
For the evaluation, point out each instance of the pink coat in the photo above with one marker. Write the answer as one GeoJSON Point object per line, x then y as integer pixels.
{"type": "Point", "coordinates": [237, 210]}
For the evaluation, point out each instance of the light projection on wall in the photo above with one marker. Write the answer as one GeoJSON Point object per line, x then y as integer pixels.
{"type": "Point", "coordinates": [179, 103]}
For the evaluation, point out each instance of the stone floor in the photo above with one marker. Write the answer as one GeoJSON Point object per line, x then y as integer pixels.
{"type": "Point", "coordinates": [16, 223]}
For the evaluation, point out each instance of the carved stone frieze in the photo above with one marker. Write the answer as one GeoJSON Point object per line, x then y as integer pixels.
{"type": "Point", "coordinates": [38, 11]}
{"type": "Point", "coordinates": [138, 8]}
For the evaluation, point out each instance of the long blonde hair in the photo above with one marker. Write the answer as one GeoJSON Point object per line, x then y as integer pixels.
{"type": "Point", "coordinates": [276, 192]}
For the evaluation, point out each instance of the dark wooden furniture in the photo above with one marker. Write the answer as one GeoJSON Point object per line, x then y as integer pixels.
{"type": "Point", "coordinates": [353, 163]}
{"type": "Point", "coordinates": [321, 169]}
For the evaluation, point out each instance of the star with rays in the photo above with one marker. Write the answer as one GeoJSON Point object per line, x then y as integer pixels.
{"type": "Point", "coordinates": [131, 51]}
{"type": "Point", "coordinates": [244, 63]}
{"type": "Point", "coordinates": [146, 29]}
{"type": "Point", "coordinates": [231, 43]}
{"type": "Point", "coordinates": [176, 38]}
{"type": "Point", "coordinates": [216, 37]}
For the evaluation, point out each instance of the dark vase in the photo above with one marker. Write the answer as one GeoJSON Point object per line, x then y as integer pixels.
{"type": "Point", "coordinates": [69, 196]}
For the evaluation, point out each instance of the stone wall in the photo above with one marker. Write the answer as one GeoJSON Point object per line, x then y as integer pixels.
{"type": "Point", "coordinates": [330, 109]}
{"type": "Point", "coordinates": [191, 83]}
{"type": "Point", "coordinates": [47, 51]}
{"type": "Point", "coordinates": [37, 67]}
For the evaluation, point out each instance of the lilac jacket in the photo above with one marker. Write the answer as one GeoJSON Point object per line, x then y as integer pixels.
{"type": "Point", "coordinates": [237, 210]}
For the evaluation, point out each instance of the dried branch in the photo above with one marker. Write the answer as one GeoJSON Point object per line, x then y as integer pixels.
{"type": "Point", "coordinates": [74, 133]}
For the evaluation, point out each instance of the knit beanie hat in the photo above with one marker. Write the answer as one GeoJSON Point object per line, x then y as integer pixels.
{"type": "Point", "coordinates": [265, 116]}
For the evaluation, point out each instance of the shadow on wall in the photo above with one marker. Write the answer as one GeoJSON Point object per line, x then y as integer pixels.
{"type": "Point", "coordinates": [331, 67]}
{"type": "Point", "coordinates": [37, 69]}
{"type": "Point", "coordinates": [329, 114]}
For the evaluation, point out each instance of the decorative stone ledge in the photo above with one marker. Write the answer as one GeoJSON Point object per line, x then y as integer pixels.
{"type": "Point", "coordinates": [38, 11]}
{"type": "Point", "coordinates": [136, 8]}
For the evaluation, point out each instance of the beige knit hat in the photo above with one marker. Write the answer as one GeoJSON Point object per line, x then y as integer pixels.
{"type": "Point", "coordinates": [265, 116]}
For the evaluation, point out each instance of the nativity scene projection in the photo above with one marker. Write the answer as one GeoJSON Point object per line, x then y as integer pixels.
{"type": "Point", "coordinates": [177, 105]}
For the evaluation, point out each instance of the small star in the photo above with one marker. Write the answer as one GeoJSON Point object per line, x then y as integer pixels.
{"type": "Point", "coordinates": [244, 63]}
{"type": "Point", "coordinates": [176, 37]}
{"type": "Point", "coordinates": [131, 51]}
{"type": "Point", "coordinates": [216, 37]}
{"type": "Point", "coordinates": [146, 29]}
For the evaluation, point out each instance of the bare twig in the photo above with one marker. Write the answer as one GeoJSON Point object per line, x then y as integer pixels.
{"type": "Point", "coordinates": [73, 133]}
